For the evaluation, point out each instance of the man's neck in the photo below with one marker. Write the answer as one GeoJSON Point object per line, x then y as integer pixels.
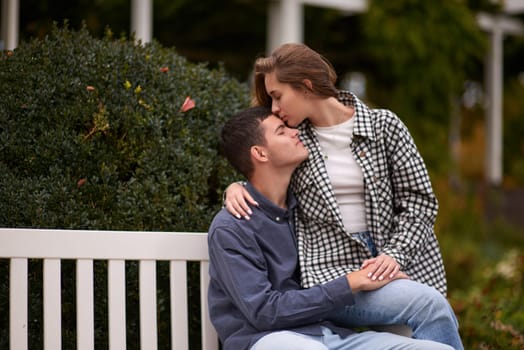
{"type": "Point", "coordinates": [272, 186]}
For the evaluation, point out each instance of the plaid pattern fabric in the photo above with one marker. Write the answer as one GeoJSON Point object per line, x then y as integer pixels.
{"type": "Point", "coordinates": [400, 204]}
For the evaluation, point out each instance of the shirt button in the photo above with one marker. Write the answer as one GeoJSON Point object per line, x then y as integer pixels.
{"type": "Point", "coordinates": [362, 154]}
{"type": "Point", "coordinates": [277, 218]}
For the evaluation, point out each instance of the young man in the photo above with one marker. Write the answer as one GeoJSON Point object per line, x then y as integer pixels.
{"type": "Point", "coordinates": [255, 298]}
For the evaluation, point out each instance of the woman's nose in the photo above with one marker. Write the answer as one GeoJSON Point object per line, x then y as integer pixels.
{"type": "Point", "coordinates": [274, 108]}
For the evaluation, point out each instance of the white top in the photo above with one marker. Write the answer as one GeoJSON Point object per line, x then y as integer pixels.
{"type": "Point", "coordinates": [344, 172]}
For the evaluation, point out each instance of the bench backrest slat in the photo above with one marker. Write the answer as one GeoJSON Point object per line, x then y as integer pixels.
{"type": "Point", "coordinates": [178, 297]}
{"type": "Point", "coordinates": [208, 331]}
{"type": "Point", "coordinates": [147, 292]}
{"type": "Point", "coordinates": [116, 302]}
{"type": "Point", "coordinates": [85, 317]}
{"type": "Point", "coordinates": [18, 303]}
{"type": "Point", "coordinates": [116, 247]}
{"type": "Point", "coordinates": [52, 304]}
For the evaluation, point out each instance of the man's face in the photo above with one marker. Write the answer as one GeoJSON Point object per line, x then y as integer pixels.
{"type": "Point", "coordinates": [283, 145]}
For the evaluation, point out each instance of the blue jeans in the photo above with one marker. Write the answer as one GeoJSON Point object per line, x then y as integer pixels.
{"type": "Point", "coordinates": [365, 237]}
{"type": "Point", "coordinates": [286, 340]}
{"type": "Point", "coordinates": [414, 304]}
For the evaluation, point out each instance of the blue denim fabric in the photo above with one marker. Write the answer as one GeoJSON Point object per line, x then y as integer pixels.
{"type": "Point", "coordinates": [285, 340]}
{"type": "Point", "coordinates": [406, 302]}
{"type": "Point", "coordinates": [365, 237]}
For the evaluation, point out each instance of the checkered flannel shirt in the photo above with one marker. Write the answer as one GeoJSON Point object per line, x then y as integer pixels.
{"type": "Point", "coordinates": [400, 204]}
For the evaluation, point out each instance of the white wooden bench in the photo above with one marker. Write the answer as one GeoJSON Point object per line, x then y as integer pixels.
{"type": "Point", "coordinates": [115, 247]}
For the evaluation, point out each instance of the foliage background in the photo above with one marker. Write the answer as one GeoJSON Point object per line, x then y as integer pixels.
{"type": "Point", "coordinates": [419, 58]}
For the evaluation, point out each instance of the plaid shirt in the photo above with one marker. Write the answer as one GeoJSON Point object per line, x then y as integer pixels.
{"type": "Point", "coordinates": [400, 204]}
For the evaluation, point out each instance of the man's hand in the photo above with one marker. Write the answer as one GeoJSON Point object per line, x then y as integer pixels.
{"type": "Point", "coordinates": [384, 267]}
{"type": "Point", "coordinates": [359, 280]}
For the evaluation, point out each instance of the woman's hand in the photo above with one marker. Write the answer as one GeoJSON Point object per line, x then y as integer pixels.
{"type": "Point", "coordinates": [359, 280]}
{"type": "Point", "coordinates": [236, 201]}
{"type": "Point", "coordinates": [383, 267]}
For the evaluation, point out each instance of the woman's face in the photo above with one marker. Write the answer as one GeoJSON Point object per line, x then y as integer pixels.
{"type": "Point", "coordinates": [288, 104]}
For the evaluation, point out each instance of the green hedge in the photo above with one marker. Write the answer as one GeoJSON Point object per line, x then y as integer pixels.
{"type": "Point", "coordinates": [93, 135]}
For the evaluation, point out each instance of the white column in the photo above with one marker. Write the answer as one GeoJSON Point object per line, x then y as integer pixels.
{"type": "Point", "coordinates": [497, 26]}
{"type": "Point", "coordinates": [285, 23]}
{"type": "Point", "coordinates": [142, 20]}
{"type": "Point", "coordinates": [494, 66]}
{"type": "Point", "coordinates": [10, 23]}
{"type": "Point", "coordinates": [286, 18]}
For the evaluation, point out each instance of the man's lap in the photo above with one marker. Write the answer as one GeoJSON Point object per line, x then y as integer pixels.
{"type": "Point", "coordinates": [286, 340]}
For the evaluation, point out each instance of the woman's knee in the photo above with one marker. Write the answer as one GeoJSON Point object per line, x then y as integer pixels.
{"type": "Point", "coordinates": [412, 291]}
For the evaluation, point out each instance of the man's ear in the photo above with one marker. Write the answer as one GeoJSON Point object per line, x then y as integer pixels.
{"type": "Point", "coordinates": [259, 153]}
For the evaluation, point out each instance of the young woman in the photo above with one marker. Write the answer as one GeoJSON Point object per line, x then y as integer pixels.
{"type": "Point", "coordinates": [364, 193]}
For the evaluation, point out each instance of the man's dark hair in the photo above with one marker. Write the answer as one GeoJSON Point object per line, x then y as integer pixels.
{"type": "Point", "coordinates": [241, 132]}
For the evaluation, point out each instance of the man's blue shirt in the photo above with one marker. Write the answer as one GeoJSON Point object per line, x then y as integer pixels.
{"type": "Point", "coordinates": [254, 278]}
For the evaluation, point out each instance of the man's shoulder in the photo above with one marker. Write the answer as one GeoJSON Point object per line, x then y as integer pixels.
{"type": "Point", "coordinates": [222, 216]}
{"type": "Point", "coordinates": [225, 224]}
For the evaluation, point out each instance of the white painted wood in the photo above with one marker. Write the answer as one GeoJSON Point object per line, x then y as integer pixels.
{"type": "Point", "coordinates": [85, 305]}
{"type": "Point", "coordinates": [10, 24]}
{"type": "Point", "coordinates": [103, 245]}
{"type": "Point", "coordinates": [148, 305]}
{"type": "Point", "coordinates": [285, 23]}
{"type": "Point", "coordinates": [513, 6]}
{"type": "Point", "coordinates": [497, 26]}
{"type": "Point", "coordinates": [508, 25]}
{"type": "Point", "coordinates": [208, 331]}
{"type": "Point", "coordinates": [116, 301]}
{"type": "Point", "coordinates": [351, 6]}
{"type": "Point", "coordinates": [494, 137]}
{"type": "Point", "coordinates": [18, 304]}
{"type": "Point", "coordinates": [116, 247]}
{"type": "Point", "coordinates": [179, 315]}
{"type": "Point", "coordinates": [142, 20]}
{"type": "Point", "coordinates": [52, 305]}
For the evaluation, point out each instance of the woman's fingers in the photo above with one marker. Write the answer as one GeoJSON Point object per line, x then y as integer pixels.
{"type": "Point", "coordinates": [385, 267]}
{"type": "Point", "coordinates": [237, 199]}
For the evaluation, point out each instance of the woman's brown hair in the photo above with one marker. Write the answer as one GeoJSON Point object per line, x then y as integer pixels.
{"type": "Point", "coordinates": [292, 64]}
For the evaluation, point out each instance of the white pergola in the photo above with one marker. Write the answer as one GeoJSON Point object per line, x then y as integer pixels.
{"type": "Point", "coordinates": [286, 18]}
{"type": "Point", "coordinates": [497, 26]}
{"type": "Point", "coordinates": [141, 22]}
{"type": "Point", "coordinates": [9, 24]}
{"type": "Point", "coordinates": [285, 24]}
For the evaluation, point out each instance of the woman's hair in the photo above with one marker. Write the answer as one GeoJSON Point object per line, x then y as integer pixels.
{"type": "Point", "coordinates": [294, 63]}
{"type": "Point", "coordinates": [241, 132]}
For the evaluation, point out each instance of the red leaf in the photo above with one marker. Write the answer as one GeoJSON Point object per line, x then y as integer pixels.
{"type": "Point", "coordinates": [188, 104]}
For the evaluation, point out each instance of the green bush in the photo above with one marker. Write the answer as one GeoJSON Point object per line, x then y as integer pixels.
{"type": "Point", "coordinates": [93, 136]}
